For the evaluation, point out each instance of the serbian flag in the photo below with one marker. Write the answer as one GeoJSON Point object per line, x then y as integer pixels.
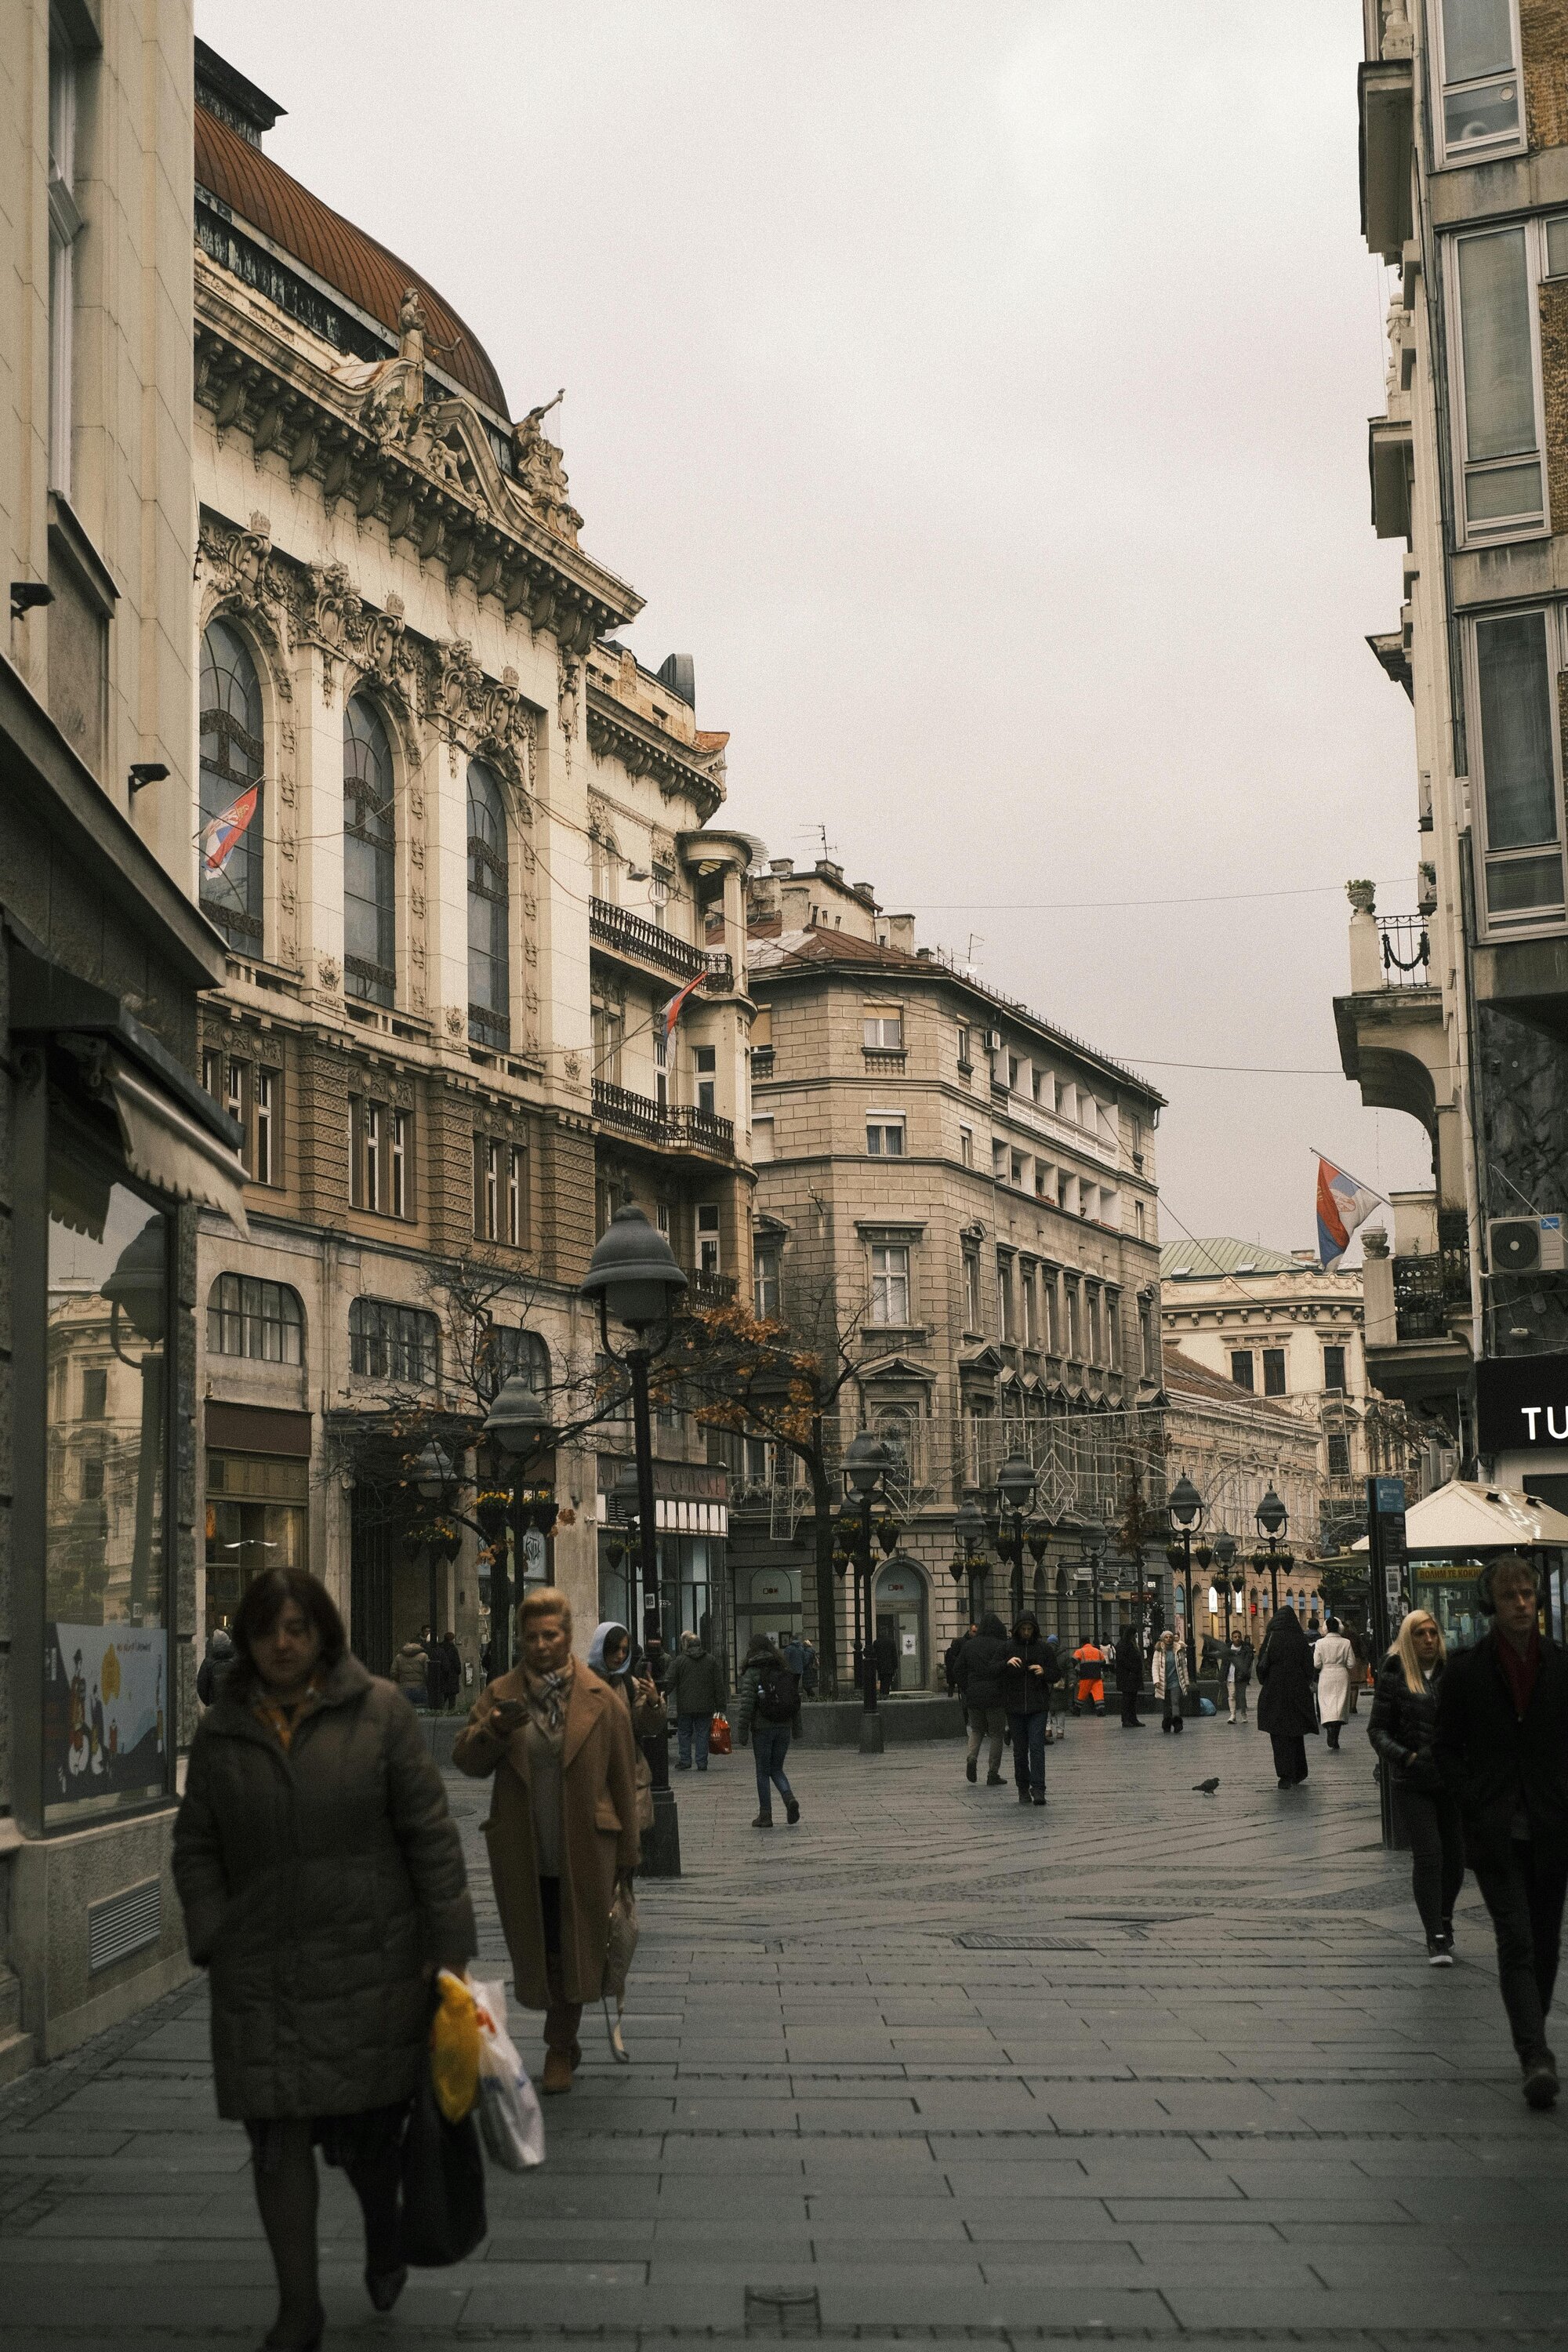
{"type": "Point", "coordinates": [1343, 1203]}
{"type": "Point", "coordinates": [671, 1012]}
{"type": "Point", "coordinates": [220, 837]}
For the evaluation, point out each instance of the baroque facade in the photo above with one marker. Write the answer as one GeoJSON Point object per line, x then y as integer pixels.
{"type": "Point", "coordinates": [968, 1197]}
{"type": "Point", "coordinates": [107, 1141]}
{"type": "Point", "coordinates": [480, 866]}
{"type": "Point", "coordinates": [1459, 1015]}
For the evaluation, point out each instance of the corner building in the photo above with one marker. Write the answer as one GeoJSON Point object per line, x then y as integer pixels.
{"type": "Point", "coordinates": [476, 872]}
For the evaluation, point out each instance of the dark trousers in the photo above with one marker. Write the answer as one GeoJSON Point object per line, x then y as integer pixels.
{"type": "Point", "coordinates": [770, 1746]}
{"type": "Point", "coordinates": [1129, 1707]}
{"type": "Point", "coordinates": [1290, 1755]}
{"type": "Point", "coordinates": [1524, 1895]}
{"type": "Point", "coordinates": [563, 2017]}
{"type": "Point", "coordinates": [1029, 1750]}
{"type": "Point", "coordinates": [1437, 1853]}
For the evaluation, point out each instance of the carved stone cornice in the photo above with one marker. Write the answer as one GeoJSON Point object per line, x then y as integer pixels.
{"type": "Point", "coordinates": [616, 733]}
{"type": "Point", "coordinates": [427, 472]}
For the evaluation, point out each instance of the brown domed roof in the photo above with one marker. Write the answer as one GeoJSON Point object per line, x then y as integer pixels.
{"type": "Point", "coordinates": [262, 193]}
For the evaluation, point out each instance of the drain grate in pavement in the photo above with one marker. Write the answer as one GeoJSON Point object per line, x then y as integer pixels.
{"type": "Point", "coordinates": [782, 2311]}
{"type": "Point", "coordinates": [982, 1939]}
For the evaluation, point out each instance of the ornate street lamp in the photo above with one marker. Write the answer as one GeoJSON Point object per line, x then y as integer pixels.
{"type": "Point", "coordinates": [1187, 1507]}
{"type": "Point", "coordinates": [1015, 1493]}
{"type": "Point", "coordinates": [1225, 1559]}
{"type": "Point", "coordinates": [1273, 1522]}
{"type": "Point", "coordinates": [969, 1533]}
{"type": "Point", "coordinates": [517, 1424]}
{"type": "Point", "coordinates": [1094, 1537]}
{"type": "Point", "coordinates": [867, 1461]}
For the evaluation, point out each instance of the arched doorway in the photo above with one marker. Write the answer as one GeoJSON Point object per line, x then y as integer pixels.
{"type": "Point", "coordinates": [901, 1607]}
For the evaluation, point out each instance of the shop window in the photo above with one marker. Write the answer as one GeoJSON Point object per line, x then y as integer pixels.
{"type": "Point", "coordinates": [257, 1517]}
{"type": "Point", "coordinates": [106, 1715]}
{"type": "Point", "coordinates": [250, 1318]}
{"type": "Point", "coordinates": [388, 1342]}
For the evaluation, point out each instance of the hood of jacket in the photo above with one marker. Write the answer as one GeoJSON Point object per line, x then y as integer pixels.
{"type": "Point", "coordinates": [992, 1628]}
{"type": "Point", "coordinates": [411, 1650]}
{"type": "Point", "coordinates": [613, 1675]}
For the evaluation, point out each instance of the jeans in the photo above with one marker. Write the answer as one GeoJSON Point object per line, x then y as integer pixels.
{"type": "Point", "coordinates": [1437, 1853]}
{"type": "Point", "coordinates": [1171, 1718]}
{"type": "Point", "coordinates": [1524, 1895]}
{"type": "Point", "coordinates": [992, 1720]}
{"type": "Point", "coordinates": [1290, 1755]}
{"type": "Point", "coordinates": [770, 1746]}
{"type": "Point", "coordinates": [692, 1729]}
{"type": "Point", "coordinates": [1029, 1750]}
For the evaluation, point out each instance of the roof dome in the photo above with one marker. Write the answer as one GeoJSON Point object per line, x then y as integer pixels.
{"type": "Point", "coordinates": [261, 192]}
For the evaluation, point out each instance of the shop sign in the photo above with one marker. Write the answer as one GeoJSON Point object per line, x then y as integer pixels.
{"type": "Point", "coordinates": [1521, 1404]}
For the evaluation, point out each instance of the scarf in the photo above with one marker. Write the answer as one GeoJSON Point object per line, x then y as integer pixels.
{"type": "Point", "coordinates": [284, 1723]}
{"type": "Point", "coordinates": [547, 1696]}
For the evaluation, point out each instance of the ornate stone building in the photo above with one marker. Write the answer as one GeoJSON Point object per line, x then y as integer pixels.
{"type": "Point", "coordinates": [1457, 1013]}
{"type": "Point", "coordinates": [480, 867]}
{"type": "Point", "coordinates": [970, 1195]}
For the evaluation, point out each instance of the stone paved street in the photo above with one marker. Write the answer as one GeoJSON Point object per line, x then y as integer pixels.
{"type": "Point", "coordinates": [1146, 2065]}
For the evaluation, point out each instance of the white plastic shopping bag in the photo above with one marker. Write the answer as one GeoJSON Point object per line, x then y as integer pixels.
{"type": "Point", "coordinates": [511, 2123]}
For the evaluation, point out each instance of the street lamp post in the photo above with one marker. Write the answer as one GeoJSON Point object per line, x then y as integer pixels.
{"type": "Point", "coordinates": [1224, 1555]}
{"type": "Point", "coordinates": [433, 1477]}
{"type": "Point", "coordinates": [969, 1533]}
{"type": "Point", "coordinates": [1015, 1493]}
{"type": "Point", "coordinates": [1187, 1509]}
{"type": "Point", "coordinates": [867, 1460]}
{"type": "Point", "coordinates": [1273, 1522]}
{"type": "Point", "coordinates": [1092, 1535]}
{"type": "Point", "coordinates": [516, 1424]}
{"type": "Point", "coordinates": [634, 1279]}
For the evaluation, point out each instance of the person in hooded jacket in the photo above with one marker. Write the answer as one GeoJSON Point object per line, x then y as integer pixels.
{"type": "Point", "coordinates": [980, 1680]}
{"type": "Point", "coordinates": [323, 1884]}
{"type": "Point", "coordinates": [1402, 1729]}
{"type": "Point", "coordinates": [1028, 1669]}
{"type": "Point", "coordinates": [1286, 1710]}
{"type": "Point", "coordinates": [214, 1666]}
{"type": "Point", "coordinates": [410, 1672]}
{"type": "Point", "coordinates": [950, 1655]}
{"type": "Point", "coordinates": [610, 1657]}
{"type": "Point", "coordinates": [697, 1689]}
{"type": "Point", "coordinates": [768, 1711]}
{"type": "Point", "coordinates": [1129, 1663]}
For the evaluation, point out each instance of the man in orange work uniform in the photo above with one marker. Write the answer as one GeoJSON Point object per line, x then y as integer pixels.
{"type": "Point", "coordinates": [1090, 1660]}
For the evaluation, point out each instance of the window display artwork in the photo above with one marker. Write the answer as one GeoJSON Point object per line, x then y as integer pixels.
{"type": "Point", "coordinates": [105, 1714]}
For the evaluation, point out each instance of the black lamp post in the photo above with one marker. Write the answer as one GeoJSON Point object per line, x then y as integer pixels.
{"type": "Point", "coordinates": [517, 1424]}
{"type": "Point", "coordinates": [969, 1533]}
{"type": "Point", "coordinates": [1092, 1535]}
{"type": "Point", "coordinates": [865, 1463]}
{"type": "Point", "coordinates": [1187, 1507]}
{"type": "Point", "coordinates": [1015, 1493]}
{"type": "Point", "coordinates": [1224, 1556]}
{"type": "Point", "coordinates": [433, 1478]}
{"type": "Point", "coordinates": [1273, 1522]}
{"type": "Point", "coordinates": [634, 1280]}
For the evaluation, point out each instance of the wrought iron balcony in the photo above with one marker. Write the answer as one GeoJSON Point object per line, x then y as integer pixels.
{"type": "Point", "coordinates": [675, 1126]}
{"type": "Point", "coordinates": [1429, 1289]}
{"type": "Point", "coordinates": [1406, 950]}
{"type": "Point", "coordinates": [624, 933]}
{"type": "Point", "coordinates": [710, 1289]}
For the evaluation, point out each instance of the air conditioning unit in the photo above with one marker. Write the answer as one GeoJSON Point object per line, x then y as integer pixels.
{"type": "Point", "coordinates": [1526, 1245]}
{"type": "Point", "coordinates": [993, 1040]}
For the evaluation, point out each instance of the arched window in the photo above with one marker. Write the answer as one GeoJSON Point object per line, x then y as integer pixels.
{"type": "Point", "coordinates": [507, 1350]}
{"type": "Point", "coordinates": [231, 762]}
{"type": "Point", "coordinates": [370, 861]}
{"type": "Point", "coordinates": [488, 939]}
{"type": "Point", "coordinates": [388, 1342]}
{"type": "Point", "coordinates": [260, 1319]}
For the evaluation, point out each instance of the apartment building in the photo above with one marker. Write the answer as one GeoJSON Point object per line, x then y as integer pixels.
{"type": "Point", "coordinates": [481, 867]}
{"type": "Point", "coordinates": [106, 1142]}
{"type": "Point", "coordinates": [973, 1192]}
{"type": "Point", "coordinates": [1457, 1013]}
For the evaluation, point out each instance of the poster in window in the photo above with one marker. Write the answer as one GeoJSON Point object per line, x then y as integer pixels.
{"type": "Point", "coordinates": [105, 1713]}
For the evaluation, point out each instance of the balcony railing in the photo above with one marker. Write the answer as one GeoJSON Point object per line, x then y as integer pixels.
{"type": "Point", "coordinates": [710, 1289]}
{"type": "Point", "coordinates": [1406, 950]}
{"type": "Point", "coordinates": [1429, 1289]}
{"type": "Point", "coordinates": [671, 1125]}
{"type": "Point", "coordinates": [633, 935]}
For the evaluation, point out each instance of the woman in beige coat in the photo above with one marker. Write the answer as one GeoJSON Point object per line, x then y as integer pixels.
{"type": "Point", "coordinates": [562, 1822]}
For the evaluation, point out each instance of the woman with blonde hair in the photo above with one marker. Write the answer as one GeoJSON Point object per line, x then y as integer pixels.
{"type": "Point", "coordinates": [562, 1822]}
{"type": "Point", "coordinates": [1403, 1727]}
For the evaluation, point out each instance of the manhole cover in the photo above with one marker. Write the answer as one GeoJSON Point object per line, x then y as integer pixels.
{"type": "Point", "coordinates": [782, 2311]}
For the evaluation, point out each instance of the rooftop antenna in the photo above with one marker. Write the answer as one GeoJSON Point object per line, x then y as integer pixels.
{"type": "Point", "coordinates": [817, 833]}
{"type": "Point", "coordinates": [976, 941]}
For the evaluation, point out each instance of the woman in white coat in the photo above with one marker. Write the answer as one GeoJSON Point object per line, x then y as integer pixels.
{"type": "Point", "coordinates": [1334, 1660]}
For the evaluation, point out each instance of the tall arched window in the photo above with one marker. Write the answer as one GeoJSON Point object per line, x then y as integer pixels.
{"type": "Point", "coordinates": [370, 858]}
{"type": "Point", "coordinates": [489, 936]}
{"type": "Point", "coordinates": [231, 761]}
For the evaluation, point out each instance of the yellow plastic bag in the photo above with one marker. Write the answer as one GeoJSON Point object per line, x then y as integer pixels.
{"type": "Point", "coordinates": [455, 2048]}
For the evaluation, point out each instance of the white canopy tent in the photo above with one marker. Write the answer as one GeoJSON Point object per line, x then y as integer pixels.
{"type": "Point", "coordinates": [1463, 1517]}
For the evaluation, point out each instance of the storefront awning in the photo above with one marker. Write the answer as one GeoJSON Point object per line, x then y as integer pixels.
{"type": "Point", "coordinates": [166, 1146]}
{"type": "Point", "coordinates": [1464, 1516]}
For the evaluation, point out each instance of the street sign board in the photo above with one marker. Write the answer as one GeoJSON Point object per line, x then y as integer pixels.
{"type": "Point", "coordinates": [1521, 1404]}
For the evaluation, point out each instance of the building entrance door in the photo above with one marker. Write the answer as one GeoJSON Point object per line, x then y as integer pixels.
{"type": "Point", "coordinates": [901, 1610]}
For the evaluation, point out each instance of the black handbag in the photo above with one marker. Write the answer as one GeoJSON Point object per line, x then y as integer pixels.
{"type": "Point", "coordinates": [443, 2184]}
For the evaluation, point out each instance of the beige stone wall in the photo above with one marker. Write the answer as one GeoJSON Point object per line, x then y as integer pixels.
{"type": "Point", "coordinates": [1544, 41]}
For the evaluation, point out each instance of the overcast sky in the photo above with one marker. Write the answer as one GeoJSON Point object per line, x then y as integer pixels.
{"type": "Point", "coordinates": [977, 390]}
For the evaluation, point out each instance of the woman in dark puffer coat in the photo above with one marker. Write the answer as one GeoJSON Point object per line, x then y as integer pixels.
{"type": "Point", "coordinates": [1403, 1727]}
{"type": "Point", "coordinates": [1285, 1708]}
{"type": "Point", "coordinates": [323, 1884]}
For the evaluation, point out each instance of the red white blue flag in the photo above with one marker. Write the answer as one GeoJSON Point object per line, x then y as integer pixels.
{"type": "Point", "coordinates": [220, 837]}
{"type": "Point", "coordinates": [1343, 1203]}
{"type": "Point", "coordinates": [671, 1012]}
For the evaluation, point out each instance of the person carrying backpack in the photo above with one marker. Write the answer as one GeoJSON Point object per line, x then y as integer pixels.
{"type": "Point", "coordinates": [214, 1668]}
{"type": "Point", "coordinates": [769, 1705]}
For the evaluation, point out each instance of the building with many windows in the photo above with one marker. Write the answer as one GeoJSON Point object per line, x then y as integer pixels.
{"type": "Point", "coordinates": [1457, 1013]}
{"type": "Point", "coordinates": [971, 1193]}
{"type": "Point", "coordinates": [460, 847]}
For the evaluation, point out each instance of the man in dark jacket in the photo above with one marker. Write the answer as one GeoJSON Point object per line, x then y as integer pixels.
{"type": "Point", "coordinates": [950, 1655]}
{"type": "Point", "coordinates": [885, 1658]}
{"type": "Point", "coordinates": [1130, 1678]}
{"type": "Point", "coordinates": [697, 1692]}
{"type": "Point", "coordinates": [214, 1666]}
{"type": "Point", "coordinates": [435, 1673]}
{"type": "Point", "coordinates": [1501, 1748]}
{"type": "Point", "coordinates": [980, 1680]}
{"type": "Point", "coordinates": [1028, 1669]}
{"type": "Point", "coordinates": [451, 1670]}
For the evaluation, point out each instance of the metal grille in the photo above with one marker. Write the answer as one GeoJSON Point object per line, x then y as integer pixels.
{"type": "Point", "coordinates": [123, 1924]}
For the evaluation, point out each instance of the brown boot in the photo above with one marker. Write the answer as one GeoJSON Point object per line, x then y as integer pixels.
{"type": "Point", "coordinates": [557, 2075]}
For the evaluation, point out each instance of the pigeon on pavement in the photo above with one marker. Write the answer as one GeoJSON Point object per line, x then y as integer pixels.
{"type": "Point", "coordinates": [1207, 1787]}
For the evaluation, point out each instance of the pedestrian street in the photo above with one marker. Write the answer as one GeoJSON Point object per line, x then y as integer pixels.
{"type": "Point", "coordinates": [1144, 2063]}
